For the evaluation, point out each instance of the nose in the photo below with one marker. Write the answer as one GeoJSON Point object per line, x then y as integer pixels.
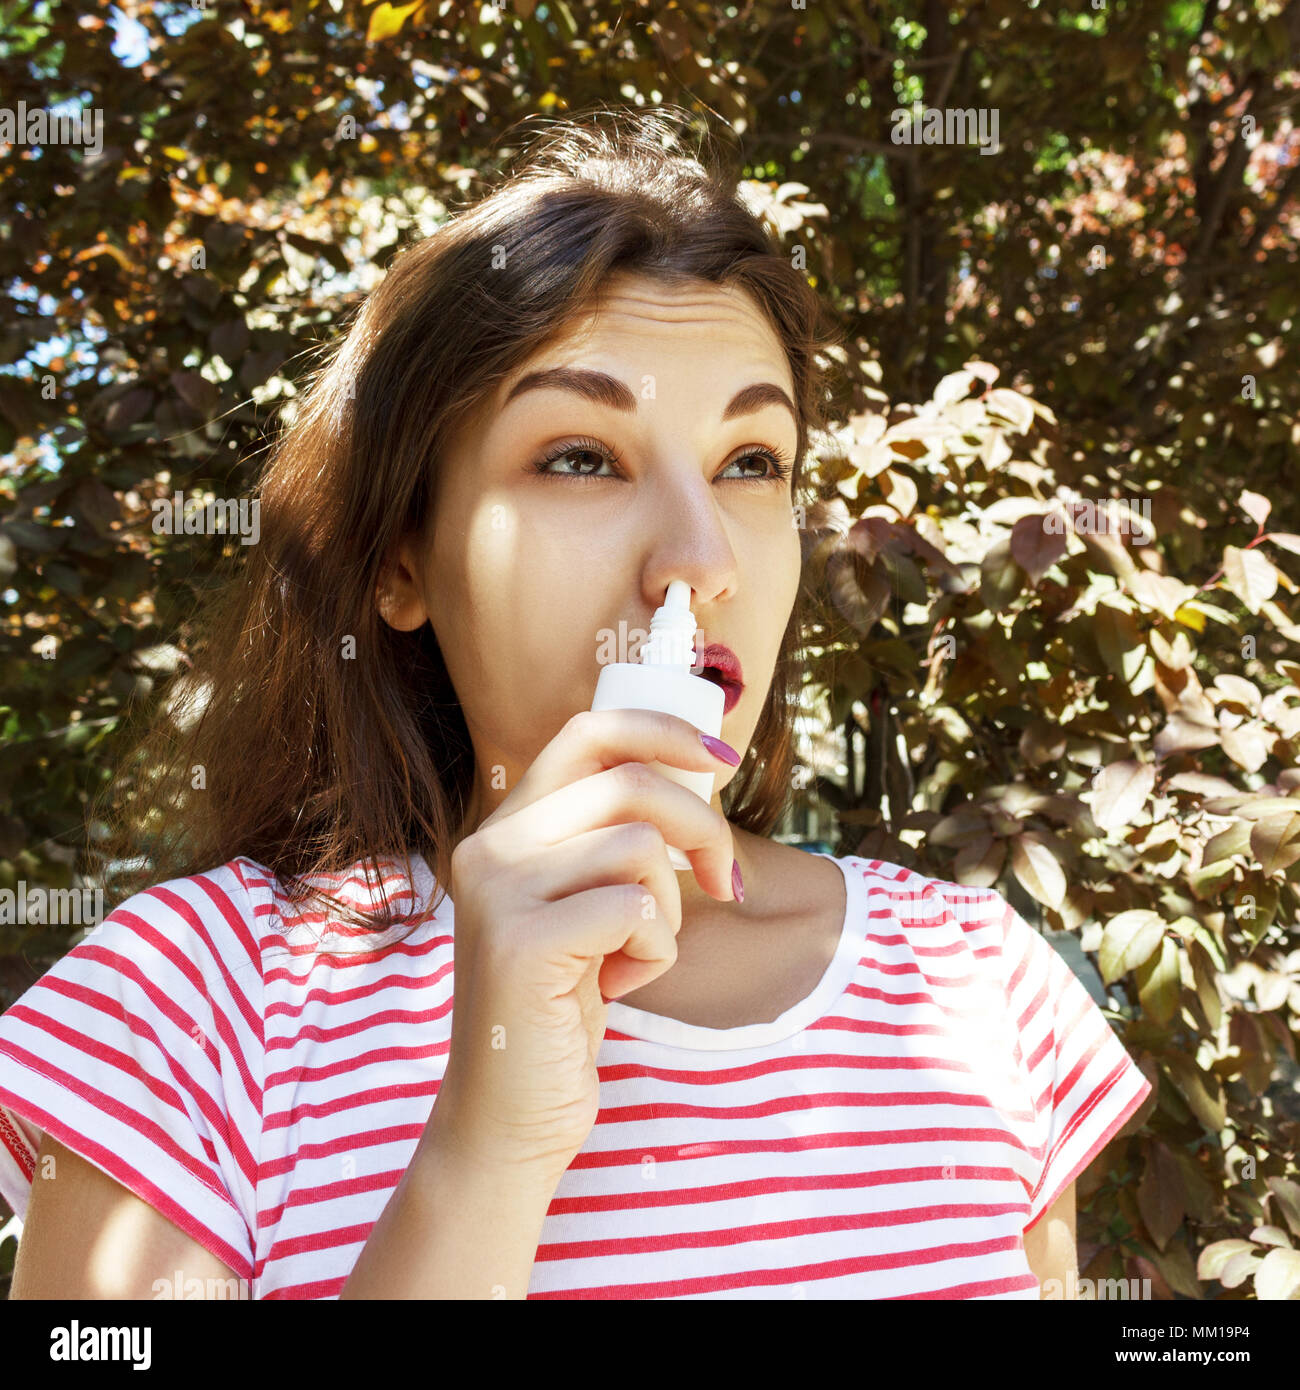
{"type": "Point", "coordinates": [689, 541]}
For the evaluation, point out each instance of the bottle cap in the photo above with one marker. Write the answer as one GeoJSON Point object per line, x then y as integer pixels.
{"type": "Point", "coordinates": [672, 630]}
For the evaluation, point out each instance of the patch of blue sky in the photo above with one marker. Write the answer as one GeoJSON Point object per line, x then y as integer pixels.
{"type": "Point", "coordinates": [131, 44]}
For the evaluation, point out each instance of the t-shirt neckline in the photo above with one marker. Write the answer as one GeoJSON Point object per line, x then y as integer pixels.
{"type": "Point", "coordinates": [672, 1032]}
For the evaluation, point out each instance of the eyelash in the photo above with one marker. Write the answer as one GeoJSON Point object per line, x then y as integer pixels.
{"type": "Point", "coordinates": [778, 459]}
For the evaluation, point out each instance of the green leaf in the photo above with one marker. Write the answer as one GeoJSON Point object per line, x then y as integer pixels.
{"type": "Point", "coordinates": [1256, 506]}
{"type": "Point", "coordinates": [1201, 1090]}
{"type": "Point", "coordinates": [1121, 792]}
{"type": "Point", "coordinates": [1278, 1276]}
{"type": "Point", "coordinates": [1233, 839]}
{"type": "Point", "coordinates": [1037, 870]}
{"type": "Point", "coordinates": [1010, 406]}
{"type": "Point", "coordinates": [1128, 940]}
{"type": "Point", "coordinates": [979, 865]}
{"type": "Point", "coordinates": [1286, 1193]}
{"type": "Point", "coordinates": [31, 535]}
{"type": "Point", "coordinates": [1001, 578]}
{"type": "Point", "coordinates": [1159, 982]}
{"type": "Point", "coordinates": [1215, 1256]}
{"type": "Point", "coordinates": [64, 578]}
{"type": "Point", "coordinates": [1207, 991]}
{"type": "Point", "coordinates": [1250, 575]}
{"type": "Point", "coordinates": [1120, 641]}
{"type": "Point", "coordinates": [1275, 842]}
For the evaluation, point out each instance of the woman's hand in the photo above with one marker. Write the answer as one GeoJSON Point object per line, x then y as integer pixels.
{"type": "Point", "coordinates": [566, 893]}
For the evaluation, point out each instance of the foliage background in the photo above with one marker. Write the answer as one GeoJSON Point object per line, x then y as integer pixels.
{"type": "Point", "coordinates": [1104, 727]}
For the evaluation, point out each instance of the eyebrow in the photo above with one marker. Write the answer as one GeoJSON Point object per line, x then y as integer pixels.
{"type": "Point", "coordinates": [603, 389]}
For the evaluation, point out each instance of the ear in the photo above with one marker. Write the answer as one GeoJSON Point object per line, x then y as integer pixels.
{"type": "Point", "coordinates": [398, 594]}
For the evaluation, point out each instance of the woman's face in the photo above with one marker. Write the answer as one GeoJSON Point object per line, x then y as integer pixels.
{"type": "Point", "coordinates": [533, 580]}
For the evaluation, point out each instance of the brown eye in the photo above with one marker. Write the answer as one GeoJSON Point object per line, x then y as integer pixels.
{"type": "Point", "coordinates": [774, 464]}
{"type": "Point", "coordinates": [592, 448]}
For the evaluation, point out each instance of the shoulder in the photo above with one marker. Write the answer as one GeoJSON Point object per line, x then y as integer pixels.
{"type": "Point", "coordinates": [142, 1050]}
{"type": "Point", "coordinates": [943, 923]}
{"type": "Point", "coordinates": [917, 901]}
{"type": "Point", "coordinates": [211, 918]}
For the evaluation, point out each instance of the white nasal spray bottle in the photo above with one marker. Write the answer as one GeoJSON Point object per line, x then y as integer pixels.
{"type": "Point", "coordinates": [663, 680]}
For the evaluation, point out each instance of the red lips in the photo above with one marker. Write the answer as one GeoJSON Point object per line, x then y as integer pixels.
{"type": "Point", "coordinates": [721, 665]}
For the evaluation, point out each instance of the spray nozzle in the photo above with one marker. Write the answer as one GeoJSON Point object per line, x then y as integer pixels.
{"type": "Point", "coordinates": [672, 630]}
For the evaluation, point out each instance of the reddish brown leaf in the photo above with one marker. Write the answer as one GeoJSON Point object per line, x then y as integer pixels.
{"type": "Point", "coordinates": [1037, 543]}
{"type": "Point", "coordinates": [1160, 1195]}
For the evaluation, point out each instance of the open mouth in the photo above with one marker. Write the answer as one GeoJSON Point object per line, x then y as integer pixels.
{"type": "Point", "coordinates": [730, 688]}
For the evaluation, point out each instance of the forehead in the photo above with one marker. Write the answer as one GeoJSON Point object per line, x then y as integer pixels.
{"type": "Point", "coordinates": [643, 313]}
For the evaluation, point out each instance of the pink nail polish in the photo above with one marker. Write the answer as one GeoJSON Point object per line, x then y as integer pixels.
{"type": "Point", "coordinates": [737, 883]}
{"type": "Point", "coordinates": [720, 750]}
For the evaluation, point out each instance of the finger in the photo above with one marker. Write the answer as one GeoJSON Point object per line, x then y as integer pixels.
{"type": "Point", "coordinates": [612, 922]}
{"type": "Point", "coordinates": [632, 792]}
{"type": "Point", "coordinates": [595, 740]}
{"type": "Point", "coordinates": [634, 852]}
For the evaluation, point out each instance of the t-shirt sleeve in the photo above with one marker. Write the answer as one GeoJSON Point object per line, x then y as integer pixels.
{"type": "Point", "coordinates": [1083, 1082]}
{"type": "Point", "coordinates": [141, 1050]}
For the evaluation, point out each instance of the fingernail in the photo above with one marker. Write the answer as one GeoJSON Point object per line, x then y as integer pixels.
{"type": "Point", "coordinates": [737, 883]}
{"type": "Point", "coordinates": [720, 750]}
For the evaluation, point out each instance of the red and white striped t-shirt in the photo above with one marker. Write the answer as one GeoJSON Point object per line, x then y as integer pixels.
{"type": "Point", "coordinates": [891, 1136]}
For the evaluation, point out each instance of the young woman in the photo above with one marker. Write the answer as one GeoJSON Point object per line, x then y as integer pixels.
{"type": "Point", "coordinates": [821, 1077]}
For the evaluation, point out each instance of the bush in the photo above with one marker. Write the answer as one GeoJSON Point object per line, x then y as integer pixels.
{"type": "Point", "coordinates": [1083, 698]}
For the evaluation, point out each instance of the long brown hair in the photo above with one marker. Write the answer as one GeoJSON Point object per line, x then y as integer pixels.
{"type": "Point", "coordinates": [324, 736]}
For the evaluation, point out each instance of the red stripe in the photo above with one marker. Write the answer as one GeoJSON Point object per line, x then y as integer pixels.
{"type": "Point", "coordinates": [982, 1288]}
{"type": "Point", "coordinates": [341, 1236]}
{"type": "Point", "coordinates": [349, 961]}
{"type": "Point", "coordinates": [802, 1100]}
{"type": "Point", "coordinates": [828, 1269]}
{"type": "Point", "coordinates": [166, 946]}
{"type": "Point", "coordinates": [239, 925]}
{"type": "Point", "coordinates": [1065, 1035]}
{"type": "Point", "coordinates": [775, 1066]}
{"type": "Point", "coordinates": [307, 1197]}
{"type": "Point", "coordinates": [345, 1066]}
{"type": "Point", "coordinates": [322, 994]}
{"type": "Point", "coordinates": [322, 1288]}
{"type": "Point", "coordinates": [347, 1143]}
{"type": "Point", "coordinates": [644, 1197]}
{"type": "Point", "coordinates": [916, 997]}
{"type": "Point", "coordinates": [313, 1032]}
{"type": "Point", "coordinates": [374, 1095]}
{"type": "Point", "coordinates": [773, 1230]}
{"type": "Point", "coordinates": [319, 1240]}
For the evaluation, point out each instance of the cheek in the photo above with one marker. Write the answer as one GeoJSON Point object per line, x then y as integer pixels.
{"type": "Point", "coordinates": [773, 560]}
{"type": "Point", "coordinates": [519, 613]}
